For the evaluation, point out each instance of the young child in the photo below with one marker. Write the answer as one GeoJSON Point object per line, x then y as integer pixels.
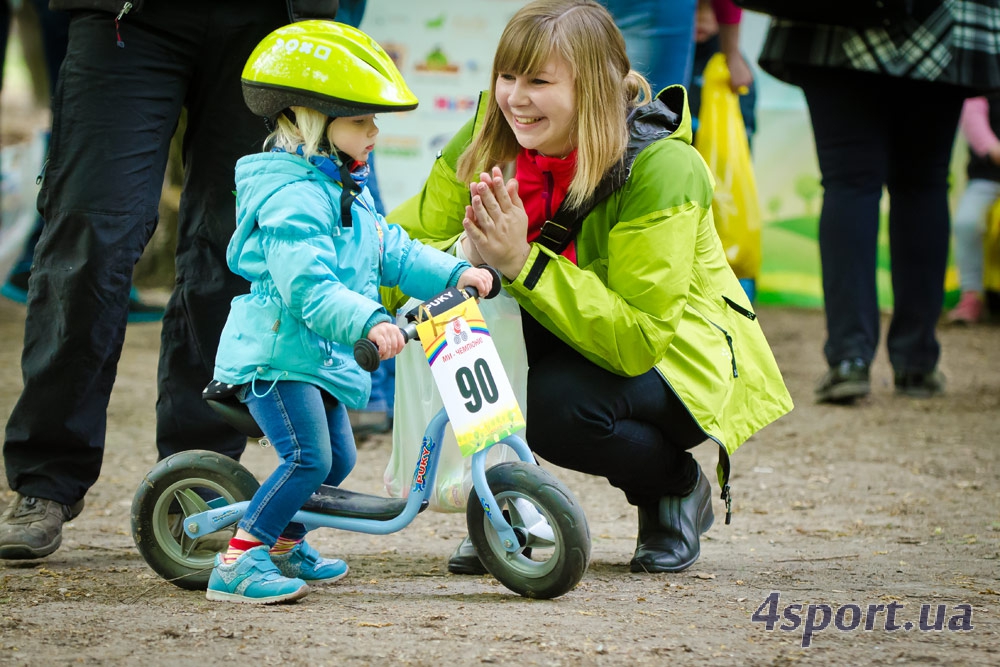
{"type": "Point", "coordinates": [315, 251]}
{"type": "Point", "coordinates": [980, 124]}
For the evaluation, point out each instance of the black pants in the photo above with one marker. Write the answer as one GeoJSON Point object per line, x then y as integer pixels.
{"type": "Point", "coordinates": [872, 131]}
{"type": "Point", "coordinates": [632, 430]}
{"type": "Point", "coordinates": [114, 112]}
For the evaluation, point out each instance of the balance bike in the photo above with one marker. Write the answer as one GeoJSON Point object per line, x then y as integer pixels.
{"type": "Point", "coordinates": [526, 526]}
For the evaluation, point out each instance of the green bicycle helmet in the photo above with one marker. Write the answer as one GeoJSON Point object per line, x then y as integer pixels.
{"type": "Point", "coordinates": [324, 65]}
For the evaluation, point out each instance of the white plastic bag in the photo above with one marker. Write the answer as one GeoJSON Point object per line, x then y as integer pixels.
{"type": "Point", "coordinates": [418, 400]}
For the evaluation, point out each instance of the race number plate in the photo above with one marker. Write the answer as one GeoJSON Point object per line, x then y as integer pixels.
{"type": "Point", "coordinates": [467, 371]}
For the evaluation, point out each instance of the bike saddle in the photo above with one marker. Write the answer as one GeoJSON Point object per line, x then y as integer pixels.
{"type": "Point", "coordinates": [222, 398]}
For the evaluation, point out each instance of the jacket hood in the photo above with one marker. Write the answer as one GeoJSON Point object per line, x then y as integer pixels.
{"type": "Point", "coordinates": [258, 177]}
{"type": "Point", "coordinates": [668, 114]}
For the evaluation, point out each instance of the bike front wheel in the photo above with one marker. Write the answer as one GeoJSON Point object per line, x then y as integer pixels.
{"type": "Point", "coordinates": [553, 537]}
{"type": "Point", "coordinates": [179, 486]}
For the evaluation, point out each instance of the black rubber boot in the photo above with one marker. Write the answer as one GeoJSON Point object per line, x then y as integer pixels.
{"type": "Point", "coordinates": [670, 531]}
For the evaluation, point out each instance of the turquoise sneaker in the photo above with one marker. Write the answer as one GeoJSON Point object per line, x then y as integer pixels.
{"type": "Point", "coordinates": [305, 563]}
{"type": "Point", "coordinates": [254, 579]}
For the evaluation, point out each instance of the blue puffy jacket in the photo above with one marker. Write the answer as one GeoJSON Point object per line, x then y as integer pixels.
{"type": "Point", "coordinates": [313, 282]}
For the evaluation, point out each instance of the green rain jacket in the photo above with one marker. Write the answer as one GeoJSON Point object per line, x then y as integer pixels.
{"type": "Point", "coordinates": [651, 287]}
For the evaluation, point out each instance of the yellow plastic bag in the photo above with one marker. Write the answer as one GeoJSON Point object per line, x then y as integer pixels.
{"type": "Point", "coordinates": [722, 142]}
{"type": "Point", "coordinates": [991, 250]}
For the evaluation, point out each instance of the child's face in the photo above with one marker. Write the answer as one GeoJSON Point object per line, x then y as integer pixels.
{"type": "Point", "coordinates": [354, 135]}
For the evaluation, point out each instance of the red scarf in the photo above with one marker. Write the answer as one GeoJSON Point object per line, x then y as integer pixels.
{"type": "Point", "coordinates": [542, 183]}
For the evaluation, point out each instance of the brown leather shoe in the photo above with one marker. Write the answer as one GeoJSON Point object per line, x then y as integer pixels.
{"type": "Point", "coordinates": [670, 531]}
{"type": "Point", "coordinates": [31, 527]}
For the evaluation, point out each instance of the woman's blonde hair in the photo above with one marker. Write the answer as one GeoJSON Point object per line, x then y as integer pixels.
{"type": "Point", "coordinates": [307, 130]}
{"type": "Point", "coordinates": [582, 33]}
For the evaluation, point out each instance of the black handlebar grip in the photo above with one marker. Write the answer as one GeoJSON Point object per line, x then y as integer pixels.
{"type": "Point", "coordinates": [496, 280]}
{"type": "Point", "coordinates": [366, 354]}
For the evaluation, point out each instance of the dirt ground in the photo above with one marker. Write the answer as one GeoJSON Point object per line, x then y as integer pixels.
{"type": "Point", "coordinates": [893, 502]}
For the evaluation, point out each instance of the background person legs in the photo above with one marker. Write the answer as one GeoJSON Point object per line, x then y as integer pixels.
{"type": "Point", "coordinates": [78, 297]}
{"type": "Point", "coordinates": [220, 130]}
{"type": "Point", "coordinates": [919, 220]}
{"type": "Point", "coordinates": [853, 160]}
{"type": "Point", "coordinates": [54, 29]}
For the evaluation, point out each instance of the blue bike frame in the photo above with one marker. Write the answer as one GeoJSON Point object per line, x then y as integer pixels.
{"type": "Point", "coordinates": [219, 517]}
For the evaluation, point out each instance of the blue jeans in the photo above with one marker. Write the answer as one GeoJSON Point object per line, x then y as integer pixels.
{"type": "Point", "coordinates": [659, 38]}
{"type": "Point", "coordinates": [315, 446]}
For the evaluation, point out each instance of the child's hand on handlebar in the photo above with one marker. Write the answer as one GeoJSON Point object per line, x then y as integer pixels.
{"type": "Point", "coordinates": [481, 279]}
{"type": "Point", "coordinates": [388, 339]}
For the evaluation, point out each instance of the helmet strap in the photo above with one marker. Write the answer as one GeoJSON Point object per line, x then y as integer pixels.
{"type": "Point", "coordinates": [349, 191]}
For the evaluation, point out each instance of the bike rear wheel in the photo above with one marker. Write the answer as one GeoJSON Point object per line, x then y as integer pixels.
{"type": "Point", "coordinates": [177, 487]}
{"type": "Point", "coordinates": [553, 536]}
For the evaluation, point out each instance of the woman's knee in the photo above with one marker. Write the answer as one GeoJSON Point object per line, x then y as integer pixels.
{"type": "Point", "coordinates": [550, 415]}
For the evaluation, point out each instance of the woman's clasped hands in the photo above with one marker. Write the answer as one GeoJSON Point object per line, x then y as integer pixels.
{"type": "Point", "coordinates": [496, 224]}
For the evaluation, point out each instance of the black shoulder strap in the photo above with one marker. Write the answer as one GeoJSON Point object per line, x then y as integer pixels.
{"type": "Point", "coordinates": [647, 124]}
{"type": "Point", "coordinates": [560, 231]}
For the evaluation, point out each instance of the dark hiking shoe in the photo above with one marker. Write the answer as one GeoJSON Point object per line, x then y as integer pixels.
{"type": "Point", "coordinates": [920, 385]}
{"type": "Point", "coordinates": [465, 560]}
{"type": "Point", "coordinates": [844, 382]}
{"type": "Point", "coordinates": [32, 527]}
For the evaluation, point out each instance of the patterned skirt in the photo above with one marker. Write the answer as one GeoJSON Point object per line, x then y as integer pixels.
{"type": "Point", "coordinates": [954, 42]}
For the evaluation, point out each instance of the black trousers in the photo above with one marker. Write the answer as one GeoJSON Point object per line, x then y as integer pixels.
{"type": "Point", "coordinates": [872, 131]}
{"type": "Point", "coordinates": [114, 112]}
{"type": "Point", "coordinates": [632, 430]}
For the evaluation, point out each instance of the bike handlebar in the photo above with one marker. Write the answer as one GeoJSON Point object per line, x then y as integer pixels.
{"type": "Point", "coordinates": [366, 352]}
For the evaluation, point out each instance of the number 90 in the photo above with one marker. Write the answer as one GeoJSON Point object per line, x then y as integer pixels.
{"type": "Point", "coordinates": [477, 387]}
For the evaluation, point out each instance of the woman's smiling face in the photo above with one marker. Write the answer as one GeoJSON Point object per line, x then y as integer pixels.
{"type": "Point", "coordinates": [540, 109]}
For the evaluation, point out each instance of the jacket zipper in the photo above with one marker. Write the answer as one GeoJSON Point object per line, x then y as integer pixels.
{"type": "Point", "coordinates": [727, 493]}
{"type": "Point", "coordinates": [729, 339]}
{"type": "Point", "coordinates": [749, 314]}
{"type": "Point", "coordinates": [126, 8]}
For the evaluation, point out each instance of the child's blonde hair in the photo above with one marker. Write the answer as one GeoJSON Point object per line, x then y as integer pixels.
{"type": "Point", "coordinates": [308, 130]}
{"type": "Point", "coordinates": [583, 34]}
